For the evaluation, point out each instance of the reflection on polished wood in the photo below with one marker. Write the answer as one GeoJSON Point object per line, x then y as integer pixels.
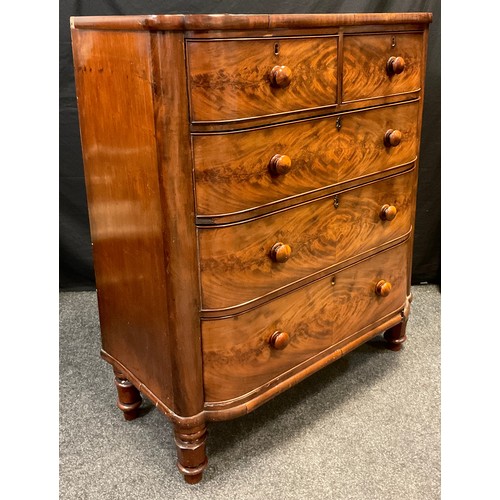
{"type": "Point", "coordinates": [236, 351]}
{"type": "Point", "coordinates": [251, 187]}
{"type": "Point", "coordinates": [365, 64]}
{"type": "Point", "coordinates": [234, 79]}
{"type": "Point", "coordinates": [232, 169]}
{"type": "Point", "coordinates": [319, 235]}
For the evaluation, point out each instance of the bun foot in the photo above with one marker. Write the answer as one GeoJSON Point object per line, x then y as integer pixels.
{"type": "Point", "coordinates": [395, 336]}
{"type": "Point", "coordinates": [129, 398]}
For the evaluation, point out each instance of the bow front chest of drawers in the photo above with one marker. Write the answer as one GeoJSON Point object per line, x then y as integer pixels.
{"type": "Point", "coordinates": [251, 187]}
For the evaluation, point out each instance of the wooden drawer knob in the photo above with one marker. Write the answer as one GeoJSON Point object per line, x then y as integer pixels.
{"type": "Point", "coordinates": [281, 76]}
{"type": "Point", "coordinates": [280, 164]}
{"type": "Point", "coordinates": [388, 212]}
{"type": "Point", "coordinates": [395, 65]}
{"type": "Point", "coordinates": [392, 138]}
{"type": "Point", "coordinates": [280, 252]}
{"type": "Point", "coordinates": [383, 288]}
{"type": "Point", "coordinates": [279, 340]}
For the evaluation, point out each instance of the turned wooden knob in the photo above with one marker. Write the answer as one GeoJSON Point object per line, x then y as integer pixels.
{"type": "Point", "coordinates": [281, 76]}
{"type": "Point", "coordinates": [388, 212]}
{"type": "Point", "coordinates": [383, 288]}
{"type": "Point", "coordinates": [280, 252]}
{"type": "Point", "coordinates": [280, 164]}
{"type": "Point", "coordinates": [392, 138]}
{"type": "Point", "coordinates": [279, 340]}
{"type": "Point", "coordinates": [395, 65]}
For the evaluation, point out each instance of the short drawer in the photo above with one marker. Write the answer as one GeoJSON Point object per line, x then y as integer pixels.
{"type": "Point", "coordinates": [244, 170]}
{"type": "Point", "coordinates": [236, 79]}
{"type": "Point", "coordinates": [243, 352]}
{"type": "Point", "coordinates": [246, 261]}
{"type": "Point", "coordinates": [381, 65]}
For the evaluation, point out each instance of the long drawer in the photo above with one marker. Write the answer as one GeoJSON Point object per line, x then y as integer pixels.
{"type": "Point", "coordinates": [245, 261]}
{"type": "Point", "coordinates": [243, 170]}
{"type": "Point", "coordinates": [235, 79]}
{"type": "Point", "coordinates": [243, 352]}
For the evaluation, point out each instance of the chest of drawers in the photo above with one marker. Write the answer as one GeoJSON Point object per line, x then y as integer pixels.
{"type": "Point", "coordinates": [251, 186]}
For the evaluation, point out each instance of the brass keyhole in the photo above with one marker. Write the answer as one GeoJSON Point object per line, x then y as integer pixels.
{"type": "Point", "coordinates": [276, 48]}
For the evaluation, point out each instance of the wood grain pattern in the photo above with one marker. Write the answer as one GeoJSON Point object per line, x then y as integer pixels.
{"type": "Point", "coordinates": [236, 351]}
{"type": "Point", "coordinates": [230, 79]}
{"type": "Point", "coordinates": [179, 233]}
{"type": "Point", "coordinates": [123, 192]}
{"type": "Point", "coordinates": [365, 60]}
{"type": "Point", "coordinates": [232, 174]}
{"type": "Point", "coordinates": [309, 252]}
{"type": "Point", "coordinates": [206, 22]}
{"type": "Point", "coordinates": [235, 260]}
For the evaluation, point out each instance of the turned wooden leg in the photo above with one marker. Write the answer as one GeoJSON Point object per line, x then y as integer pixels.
{"type": "Point", "coordinates": [396, 335]}
{"type": "Point", "coordinates": [191, 457]}
{"type": "Point", "coordinates": [129, 398]}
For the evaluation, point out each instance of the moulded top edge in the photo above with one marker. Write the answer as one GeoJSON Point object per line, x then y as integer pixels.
{"type": "Point", "coordinates": [199, 22]}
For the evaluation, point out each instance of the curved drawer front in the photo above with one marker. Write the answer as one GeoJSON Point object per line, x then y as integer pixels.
{"type": "Point", "coordinates": [366, 58]}
{"type": "Point", "coordinates": [239, 357]}
{"type": "Point", "coordinates": [242, 262]}
{"type": "Point", "coordinates": [235, 172]}
{"type": "Point", "coordinates": [234, 79]}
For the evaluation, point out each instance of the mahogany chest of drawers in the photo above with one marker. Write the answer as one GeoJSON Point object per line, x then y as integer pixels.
{"type": "Point", "coordinates": [251, 186]}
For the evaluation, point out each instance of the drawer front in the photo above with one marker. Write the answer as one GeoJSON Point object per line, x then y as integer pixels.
{"type": "Point", "coordinates": [244, 170]}
{"type": "Point", "coordinates": [238, 356]}
{"type": "Point", "coordinates": [234, 79]}
{"type": "Point", "coordinates": [242, 262]}
{"type": "Point", "coordinates": [366, 72]}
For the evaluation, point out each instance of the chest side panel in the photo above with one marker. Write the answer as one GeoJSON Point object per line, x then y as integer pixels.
{"type": "Point", "coordinates": [115, 103]}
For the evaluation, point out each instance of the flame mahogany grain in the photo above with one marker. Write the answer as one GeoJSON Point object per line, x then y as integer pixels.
{"type": "Point", "coordinates": [236, 351]}
{"type": "Point", "coordinates": [246, 224]}
{"type": "Point", "coordinates": [365, 60]}
{"type": "Point", "coordinates": [230, 79]}
{"type": "Point", "coordinates": [232, 169]}
{"type": "Point", "coordinates": [318, 234]}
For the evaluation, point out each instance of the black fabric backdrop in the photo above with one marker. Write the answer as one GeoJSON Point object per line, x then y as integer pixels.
{"type": "Point", "coordinates": [76, 268]}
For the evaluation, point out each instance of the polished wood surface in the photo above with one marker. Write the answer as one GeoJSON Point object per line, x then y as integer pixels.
{"type": "Point", "coordinates": [392, 138]}
{"type": "Point", "coordinates": [395, 65]}
{"type": "Point", "coordinates": [204, 22]}
{"type": "Point", "coordinates": [280, 76]}
{"type": "Point", "coordinates": [232, 79]}
{"type": "Point", "coordinates": [236, 351]}
{"type": "Point", "coordinates": [190, 442]}
{"type": "Point", "coordinates": [279, 340]}
{"type": "Point", "coordinates": [235, 260]}
{"type": "Point", "coordinates": [179, 233]}
{"type": "Point", "coordinates": [124, 200]}
{"type": "Point", "coordinates": [251, 186]}
{"type": "Point", "coordinates": [388, 212]}
{"type": "Point", "coordinates": [279, 164]}
{"type": "Point", "coordinates": [129, 398]}
{"type": "Point", "coordinates": [383, 288]}
{"type": "Point", "coordinates": [365, 64]}
{"type": "Point", "coordinates": [280, 252]}
{"type": "Point", "coordinates": [396, 336]}
{"type": "Point", "coordinates": [232, 170]}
